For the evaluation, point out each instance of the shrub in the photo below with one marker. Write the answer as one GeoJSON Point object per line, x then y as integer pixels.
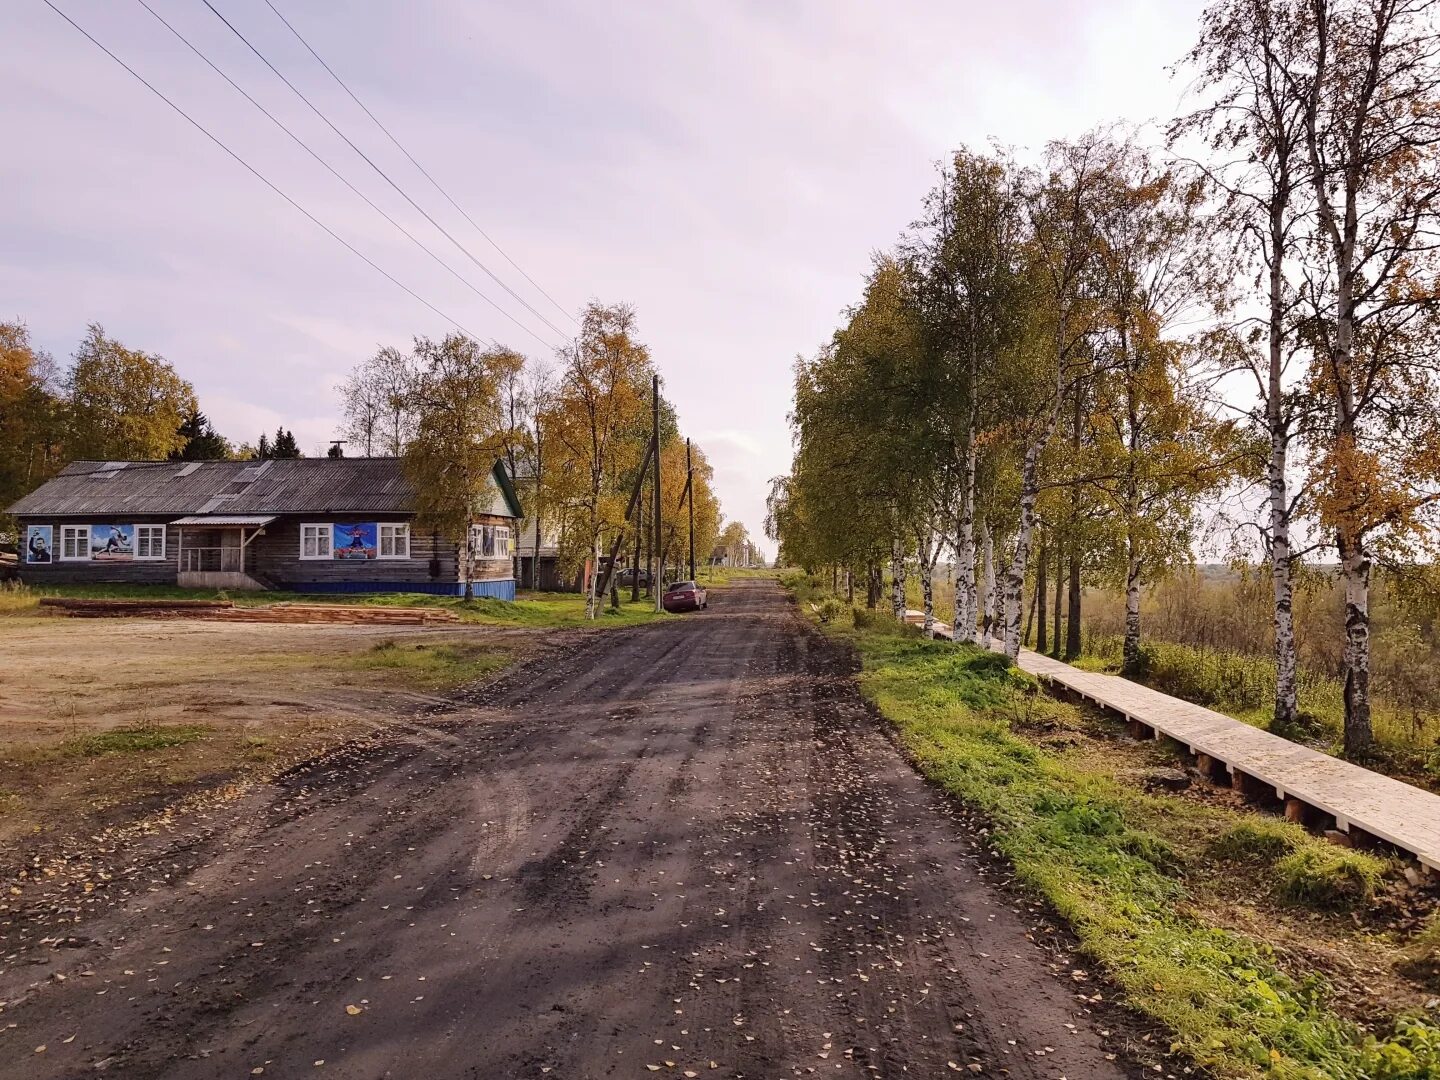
{"type": "Point", "coordinates": [1261, 840]}
{"type": "Point", "coordinates": [865, 619]}
{"type": "Point", "coordinates": [1421, 959]}
{"type": "Point", "coordinates": [829, 610]}
{"type": "Point", "coordinates": [1333, 878]}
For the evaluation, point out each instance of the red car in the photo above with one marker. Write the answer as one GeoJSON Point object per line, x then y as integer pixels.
{"type": "Point", "coordinates": [684, 596]}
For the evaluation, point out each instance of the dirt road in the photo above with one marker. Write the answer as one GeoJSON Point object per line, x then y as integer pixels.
{"type": "Point", "coordinates": [684, 850]}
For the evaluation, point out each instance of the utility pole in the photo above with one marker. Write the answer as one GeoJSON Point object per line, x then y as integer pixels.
{"type": "Point", "coordinates": [658, 512]}
{"type": "Point", "coordinates": [690, 487]}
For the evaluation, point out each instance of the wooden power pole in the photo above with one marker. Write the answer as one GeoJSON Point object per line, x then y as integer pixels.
{"type": "Point", "coordinates": [658, 512]}
{"type": "Point", "coordinates": [690, 489]}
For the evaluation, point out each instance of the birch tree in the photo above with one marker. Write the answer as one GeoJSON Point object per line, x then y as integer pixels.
{"type": "Point", "coordinates": [1050, 357]}
{"type": "Point", "coordinates": [1371, 105]}
{"type": "Point", "coordinates": [123, 403]}
{"type": "Point", "coordinates": [600, 402]}
{"type": "Point", "coordinates": [1248, 55]}
{"type": "Point", "coordinates": [460, 432]}
{"type": "Point", "coordinates": [1157, 450]}
{"type": "Point", "coordinates": [967, 249]}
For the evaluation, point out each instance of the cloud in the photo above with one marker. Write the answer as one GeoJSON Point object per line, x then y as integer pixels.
{"type": "Point", "coordinates": [728, 168]}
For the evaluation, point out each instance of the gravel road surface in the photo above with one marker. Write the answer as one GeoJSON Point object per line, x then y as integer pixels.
{"type": "Point", "coordinates": [683, 849]}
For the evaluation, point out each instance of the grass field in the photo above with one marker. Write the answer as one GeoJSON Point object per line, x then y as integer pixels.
{"type": "Point", "coordinates": [535, 610]}
{"type": "Point", "coordinates": [1263, 950]}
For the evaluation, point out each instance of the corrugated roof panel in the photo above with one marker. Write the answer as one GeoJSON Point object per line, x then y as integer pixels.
{"type": "Point", "coordinates": [305, 485]}
{"type": "Point", "coordinates": [222, 520]}
{"type": "Point", "coordinates": [298, 486]}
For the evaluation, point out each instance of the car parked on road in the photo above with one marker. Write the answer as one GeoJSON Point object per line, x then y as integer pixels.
{"type": "Point", "coordinates": [684, 596]}
{"type": "Point", "coordinates": [626, 577]}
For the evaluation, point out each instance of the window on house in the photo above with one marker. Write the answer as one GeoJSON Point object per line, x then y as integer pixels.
{"type": "Point", "coordinates": [502, 541]}
{"type": "Point", "coordinates": [149, 541]}
{"type": "Point", "coordinates": [394, 541]}
{"type": "Point", "coordinates": [74, 542]}
{"type": "Point", "coordinates": [315, 541]}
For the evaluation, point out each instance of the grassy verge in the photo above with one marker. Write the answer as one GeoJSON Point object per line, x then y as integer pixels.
{"type": "Point", "coordinates": [1243, 686]}
{"type": "Point", "coordinates": [429, 664]}
{"type": "Point", "coordinates": [1133, 873]}
{"type": "Point", "coordinates": [538, 610]}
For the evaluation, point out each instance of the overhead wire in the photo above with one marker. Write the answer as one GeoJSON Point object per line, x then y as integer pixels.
{"type": "Point", "coordinates": [258, 175]}
{"type": "Point", "coordinates": [423, 171]}
{"type": "Point", "coordinates": [336, 173]}
{"type": "Point", "coordinates": [382, 173]}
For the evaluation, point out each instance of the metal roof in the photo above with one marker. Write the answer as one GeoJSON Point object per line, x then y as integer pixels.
{"type": "Point", "coordinates": [224, 520]}
{"type": "Point", "coordinates": [290, 486]}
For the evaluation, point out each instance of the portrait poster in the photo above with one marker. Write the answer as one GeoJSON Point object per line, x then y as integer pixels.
{"type": "Point", "coordinates": [40, 544]}
{"type": "Point", "coordinates": [112, 543]}
{"type": "Point", "coordinates": [357, 541]}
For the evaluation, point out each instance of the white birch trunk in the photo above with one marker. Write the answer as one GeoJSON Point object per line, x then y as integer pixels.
{"type": "Point", "coordinates": [897, 579]}
{"type": "Point", "coordinates": [1130, 662]}
{"type": "Point", "coordinates": [1355, 571]}
{"type": "Point", "coordinates": [987, 593]}
{"type": "Point", "coordinates": [965, 599]}
{"type": "Point", "coordinates": [1014, 609]}
{"type": "Point", "coordinates": [467, 565]}
{"type": "Point", "coordinates": [1287, 697]}
{"type": "Point", "coordinates": [592, 606]}
{"type": "Point", "coordinates": [927, 580]}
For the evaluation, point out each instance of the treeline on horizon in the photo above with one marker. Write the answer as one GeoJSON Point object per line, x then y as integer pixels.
{"type": "Point", "coordinates": [110, 403]}
{"type": "Point", "coordinates": [1060, 363]}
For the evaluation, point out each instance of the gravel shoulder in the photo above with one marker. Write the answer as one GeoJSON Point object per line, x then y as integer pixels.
{"type": "Point", "coordinates": [684, 848]}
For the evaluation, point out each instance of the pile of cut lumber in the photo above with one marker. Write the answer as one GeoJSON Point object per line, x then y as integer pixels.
{"type": "Point", "coordinates": [335, 613]}
{"type": "Point", "coordinates": [269, 613]}
{"type": "Point", "coordinates": [148, 608]}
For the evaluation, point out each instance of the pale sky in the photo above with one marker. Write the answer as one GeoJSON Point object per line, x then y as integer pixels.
{"type": "Point", "coordinates": [725, 167]}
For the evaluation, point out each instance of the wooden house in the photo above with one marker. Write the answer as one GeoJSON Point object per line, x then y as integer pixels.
{"type": "Point", "coordinates": [306, 525]}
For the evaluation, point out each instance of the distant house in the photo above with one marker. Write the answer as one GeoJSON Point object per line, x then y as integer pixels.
{"type": "Point", "coordinates": [305, 525]}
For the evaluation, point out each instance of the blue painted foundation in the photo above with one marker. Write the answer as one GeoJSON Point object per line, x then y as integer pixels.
{"type": "Point", "coordinates": [498, 590]}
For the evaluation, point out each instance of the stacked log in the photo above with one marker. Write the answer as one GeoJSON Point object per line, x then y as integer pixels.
{"type": "Point", "coordinates": [226, 611]}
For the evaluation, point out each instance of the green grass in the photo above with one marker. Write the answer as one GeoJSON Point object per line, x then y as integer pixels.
{"type": "Point", "coordinates": [1329, 877]}
{"type": "Point", "coordinates": [1115, 862]}
{"type": "Point", "coordinates": [436, 665]}
{"type": "Point", "coordinates": [530, 609]}
{"type": "Point", "coordinates": [141, 738]}
{"type": "Point", "coordinates": [1243, 686]}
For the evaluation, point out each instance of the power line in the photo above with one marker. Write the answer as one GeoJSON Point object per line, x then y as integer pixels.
{"type": "Point", "coordinates": [434, 183]}
{"type": "Point", "coordinates": [335, 173]}
{"type": "Point", "coordinates": [254, 172]}
{"type": "Point", "coordinates": [384, 175]}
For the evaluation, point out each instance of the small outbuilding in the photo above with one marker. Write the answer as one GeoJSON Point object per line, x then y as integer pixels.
{"type": "Point", "coordinates": [308, 525]}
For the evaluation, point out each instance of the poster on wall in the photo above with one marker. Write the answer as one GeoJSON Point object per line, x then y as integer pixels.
{"type": "Point", "coordinates": [39, 543]}
{"type": "Point", "coordinates": [357, 541]}
{"type": "Point", "coordinates": [112, 543]}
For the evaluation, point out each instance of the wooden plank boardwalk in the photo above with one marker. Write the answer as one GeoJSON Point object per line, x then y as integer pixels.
{"type": "Point", "coordinates": [1311, 785]}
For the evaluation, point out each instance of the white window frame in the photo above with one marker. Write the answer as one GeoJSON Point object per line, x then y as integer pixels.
{"type": "Point", "coordinates": [141, 531]}
{"type": "Point", "coordinates": [502, 542]}
{"type": "Point", "coordinates": [399, 531]}
{"type": "Point", "coordinates": [326, 529]}
{"type": "Point", "coordinates": [72, 534]}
